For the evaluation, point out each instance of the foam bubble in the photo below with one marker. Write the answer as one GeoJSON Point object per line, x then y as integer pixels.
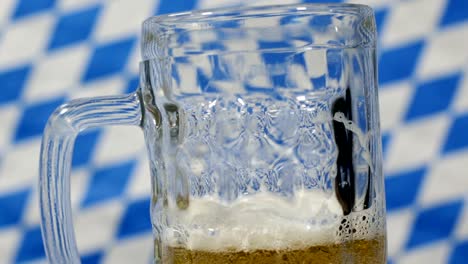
{"type": "Point", "coordinates": [261, 221]}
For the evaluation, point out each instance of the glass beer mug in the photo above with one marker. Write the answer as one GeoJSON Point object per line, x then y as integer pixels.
{"type": "Point", "coordinates": [262, 130]}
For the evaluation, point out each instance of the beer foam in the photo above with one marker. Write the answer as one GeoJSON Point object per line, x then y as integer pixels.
{"type": "Point", "coordinates": [260, 221]}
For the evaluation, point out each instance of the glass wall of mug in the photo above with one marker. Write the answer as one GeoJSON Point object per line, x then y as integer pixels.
{"type": "Point", "coordinates": [262, 128]}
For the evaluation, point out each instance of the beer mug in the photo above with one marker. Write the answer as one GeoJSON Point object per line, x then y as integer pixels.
{"type": "Point", "coordinates": [262, 131]}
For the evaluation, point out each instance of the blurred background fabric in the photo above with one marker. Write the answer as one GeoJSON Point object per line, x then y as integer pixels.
{"type": "Point", "coordinates": [52, 51]}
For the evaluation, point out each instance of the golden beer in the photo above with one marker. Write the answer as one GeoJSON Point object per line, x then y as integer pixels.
{"type": "Point", "coordinates": [357, 251]}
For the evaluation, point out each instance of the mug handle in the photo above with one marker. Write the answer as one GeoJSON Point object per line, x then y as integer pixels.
{"type": "Point", "coordinates": [59, 136]}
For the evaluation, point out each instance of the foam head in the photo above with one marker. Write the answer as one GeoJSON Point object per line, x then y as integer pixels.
{"type": "Point", "coordinates": [262, 221]}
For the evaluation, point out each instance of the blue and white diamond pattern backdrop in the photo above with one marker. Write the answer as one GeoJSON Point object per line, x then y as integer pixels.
{"type": "Point", "coordinates": [54, 50]}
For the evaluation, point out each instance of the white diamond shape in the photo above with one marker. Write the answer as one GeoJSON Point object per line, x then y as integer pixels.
{"type": "Point", "coordinates": [316, 63]}
{"type": "Point", "coordinates": [140, 183]}
{"type": "Point", "coordinates": [10, 115]}
{"type": "Point", "coordinates": [228, 3]}
{"type": "Point", "coordinates": [133, 65]}
{"type": "Point", "coordinates": [187, 77]}
{"type": "Point", "coordinates": [373, 3]}
{"type": "Point", "coordinates": [9, 239]}
{"type": "Point", "coordinates": [445, 180]}
{"type": "Point", "coordinates": [461, 231]}
{"type": "Point", "coordinates": [6, 8]}
{"type": "Point", "coordinates": [393, 104]}
{"type": "Point", "coordinates": [268, 2]}
{"type": "Point", "coordinates": [25, 40]}
{"type": "Point", "coordinates": [215, 4]}
{"type": "Point", "coordinates": [134, 250]}
{"type": "Point", "coordinates": [57, 73]}
{"type": "Point", "coordinates": [204, 64]}
{"type": "Point", "coordinates": [79, 182]}
{"type": "Point", "coordinates": [67, 5]}
{"type": "Point", "coordinates": [32, 213]}
{"type": "Point", "coordinates": [461, 97]}
{"type": "Point", "coordinates": [432, 253]}
{"type": "Point", "coordinates": [118, 144]}
{"type": "Point", "coordinates": [445, 52]}
{"type": "Point", "coordinates": [121, 18]}
{"type": "Point", "coordinates": [20, 166]}
{"type": "Point", "coordinates": [416, 143]}
{"type": "Point", "coordinates": [398, 227]}
{"type": "Point", "coordinates": [102, 87]}
{"type": "Point", "coordinates": [403, 25]}
{"type": "Point", "coordinates": [95, 227]}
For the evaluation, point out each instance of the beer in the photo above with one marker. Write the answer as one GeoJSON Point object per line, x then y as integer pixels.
{"type": "Point", "coordinates": [357, 251]}
{"type": "Point", "coordinates": [268, 228]}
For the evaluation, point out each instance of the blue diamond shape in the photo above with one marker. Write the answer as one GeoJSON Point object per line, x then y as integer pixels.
{"type": "Point", "coordinates": [217, 74]}
{"type": "Point", "coordinates": [386, 137]}
{"type": "Point", "coordinates": [460, 253]}
{"type": "Point", "coordinates": [334, 67]}
{"type": "Point", "coordinates": [180, 60]}
{"type": "Point", "coordinates": [275, 57]}
{"type": "Point", "coordinates": [401, 189]}
{"type": "Point", "coordinates": [399, 63]}
{"type": "Point", "coordinates": [28, 7]}
{"type": "Point", "coordinates": [11, 207]}
{"type": "Point", "coordinates": [108, 59]}
{"type": "Point", "coordinates": [175, 75]}
{"type": "Point", "coordinates": [31, 247]}
{"type": "Point", "coordinates": [380, 16]}
{"type": "Point", "coordinates": [74, 27]}
{"type": "Point", "coordinates": [216, 46]}
{"type": "Point", "coordinates": [12, 82]}
{"type": "Point", "coordinates": [282, 81]}
{"type": "Point", "coordinates": [108, 183]}
{"type": "Point", "coordinates": [319, 82]}
{"type": "Point", "coordinates": [136, 219]}
{"type": "Point", "coordinates": [204, 83]}
{"type": "Point", "coordinates": [34, 119]}
{"type": "Point", "coordinates": [456, 138]}
{"type": "Point", "coordinates": [265, 45]}
{"type": "Point", "coordinates": [133, 84]}
{"type": "Point", "coordinates": [174, 6]}
{"type": "Point", "coordinates": [456, 11]}
{"type": "Point", "coordinates": [432, 97]}
{"type": "Point", "coordinates": [323, 1]}
{"type": "Point", "coordinates": [84, 146]}
{"type": "Point", "coordinates": [320, 20]}
{"type": "Point", "coordinates": [319, 1]}
{"type": "Point", "coordinates": [434, 224]}
{"type": "Point", "coordinates": [94, 258]}
{"type": "Point", "coordinates": [259, 89]}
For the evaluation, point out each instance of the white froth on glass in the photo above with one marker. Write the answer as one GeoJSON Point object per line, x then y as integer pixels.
{"type": "Point", "coordinates": [257, 221]}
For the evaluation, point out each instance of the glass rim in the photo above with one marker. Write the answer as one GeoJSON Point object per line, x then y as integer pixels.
{"type": "Point", "coordinates": [205, 15]}
{"type": "Point", "coordinates": [158, 30]}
